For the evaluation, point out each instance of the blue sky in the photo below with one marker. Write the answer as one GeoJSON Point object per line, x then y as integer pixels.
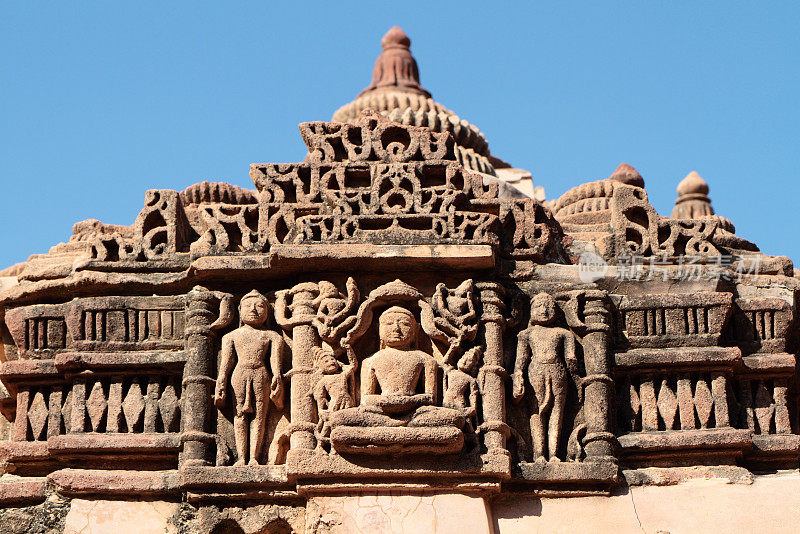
{"type": "Point", "coordinates": [103, 100]}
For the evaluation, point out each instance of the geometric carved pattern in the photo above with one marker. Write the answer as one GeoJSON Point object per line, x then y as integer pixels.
{"type": "Point", "coordinates": [66, 411]}
{"type": "Point", "coordinates": [667, 404]}
{"type": "Point", "coordinates": [133, 405]}
{"type": "Point", "coordinates": [37, 415]}
{"type": "Point", "coordinates": [96, 405]}
{"type": "Point", "coordinates": [168, 407]}
{"type": "Point", "coordinates": [764, 407]}
{"type": "Point", "coordinates": [673, 404]}
{"type": "Point", "coordinates": [703, 402]}
{"type": "Point", "coordinates": [640, 231]}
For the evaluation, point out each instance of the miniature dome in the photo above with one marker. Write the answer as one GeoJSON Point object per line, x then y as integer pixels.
{"type": "Point", "coordinates": [693, 201]}
{"type": "Point", "coordinates": [693, 184]}
{"type": "Point", "coordinates": [626, 174]}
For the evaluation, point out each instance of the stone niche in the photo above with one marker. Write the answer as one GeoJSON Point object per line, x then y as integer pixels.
{"type": "Point", "coordinates": [381, 327]}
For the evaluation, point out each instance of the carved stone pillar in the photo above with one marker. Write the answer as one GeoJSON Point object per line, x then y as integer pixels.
{"type": "Point", "coordinates": [599, 387]}
{"type": "Point", "coordinates": [494, 372]}
{"type": "Point", "coordinates": [198, 376]}
{"type": "Point", "coordinates": [301, 312]}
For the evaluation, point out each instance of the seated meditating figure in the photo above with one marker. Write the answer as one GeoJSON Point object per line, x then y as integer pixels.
{"type": "Point", "coordinates": [398, 392]}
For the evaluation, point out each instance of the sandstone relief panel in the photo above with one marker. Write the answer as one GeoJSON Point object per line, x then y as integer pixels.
{"type": "Point", "coordinates": [378, 315]}
{"type": "Point", "coordinates": [250, 365]}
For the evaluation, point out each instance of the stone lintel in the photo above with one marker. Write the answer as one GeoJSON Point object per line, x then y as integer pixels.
{"type": "Point", "coordinates": [671, 476]}
{"type": "Point", "coordinates": [17, 491]}
{"type": "Point", "coordinates": [711, 439]}
{"type": "Point", "coordinates": [102, 443]}
{"type": "Point", "coordinates": [14, 451]}
{"type": "Point", "coordinates": [780, 444]}
{"type": "Point", "coordinates": [464, 486]}
{"type": "Point", "coordinates": [179, 262]}
{"type": "Point", "coordinates": [769, 364]}
{"type": "Point", "coordinates": [106, 361]}
{"type": "Point", "coordinates": [774, 450]}
{"type": "Point", "coordinates": [383, 257]}
{"type": "Point", "coordinates": [117, 482]}
{"type": "Point", "coordinates": [337, 468]}
{"type": "Point", "coordinates": [230, 479]}
{"type": "Point", "coordinates": [694, 358]}
{"type": "Point", "coordinates": [282, 259]}
{"type": "Point", "coordinates": [551, 472]}
{"type": "Point", "coordinates": [31, 372]}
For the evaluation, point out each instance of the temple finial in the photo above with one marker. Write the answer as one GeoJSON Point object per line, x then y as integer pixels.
{"type": "Point", "coordinates": [396, 68]}
{"type": "Point", "coordinates": [693, 201]}
{"type": "Point", "coordinates": [627, 175]}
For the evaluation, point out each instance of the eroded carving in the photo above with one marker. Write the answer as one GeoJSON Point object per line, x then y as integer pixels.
{"type": "Point", "coordinates": [462, 389]}
{"type": "Point", "coordinates": [546, 356]}
{"type": "Point", "coordinates": [250, 361]}
{"type": "Point", "coordinates": [390, 381]}
{"type": "Point", "coordinates": [334, 389]}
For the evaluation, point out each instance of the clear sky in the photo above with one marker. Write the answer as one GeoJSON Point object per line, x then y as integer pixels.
{"type": "Point", "coordinates": [103, 100]}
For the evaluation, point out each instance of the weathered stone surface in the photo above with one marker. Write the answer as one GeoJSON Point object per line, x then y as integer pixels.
{"type": "Point", "coordinates": [391, 333]}
{"type": "Point", "coordinates": [17, 491]}
{"type": "Point", "coordinates": [115, 482]}
{"type": "Point", "coordinates": [45, 518]}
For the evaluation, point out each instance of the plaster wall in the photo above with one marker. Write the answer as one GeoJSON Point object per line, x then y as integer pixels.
{"type": "Point", "coordinates": [770, 503]}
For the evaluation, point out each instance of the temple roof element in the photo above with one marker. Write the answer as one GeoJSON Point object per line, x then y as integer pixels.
{"type": "Point", "coordinates": [627, 175]}
{"type": "Point", "coordinates": [396, 69]}
{"type": "Point", "coordinates": [396, 92]}
{"type": "Point", "coordinates": [693, 198]}
{"type": "Point", "coordinates": [135, 360]}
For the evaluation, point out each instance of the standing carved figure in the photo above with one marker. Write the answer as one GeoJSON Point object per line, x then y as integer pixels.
{"type": "Point", "coordinates": [461, 389]}
{"type": "Point", "coordinates": [243, 360]}
{"type": "Point", "coordinates": [547, 353]}
{"type": "Point", "coordinates": [332, 391]}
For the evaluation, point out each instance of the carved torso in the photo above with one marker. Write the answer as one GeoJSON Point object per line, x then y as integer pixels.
{"type": "Point", "coordinates": [334, 391]}
{"type": "Point", "coordinates": [251, 345]}
{"type": "Point", "coordinates": [547, 344]}
{"type": "Point", "coordinates": [459, 387]}
{"type": "Point", "coordinates": [398, 372]}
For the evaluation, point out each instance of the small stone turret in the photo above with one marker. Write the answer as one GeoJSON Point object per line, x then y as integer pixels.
{"type": "Point", "coordinates": [693, 201]}
{"type": "Point", "coordinates": [396, 93]}
{"type": "Point", "coordinates": [396, 68]}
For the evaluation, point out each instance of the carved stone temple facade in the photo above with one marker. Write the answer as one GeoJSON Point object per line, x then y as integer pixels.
{"type": "Point", "coordinates": [401, 334]}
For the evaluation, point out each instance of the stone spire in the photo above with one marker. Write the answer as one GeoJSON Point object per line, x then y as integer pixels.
{"type": "Point", "coordinates": [396, 68]}
{"type": "Point", "coordinates": [395, 92]}
{"type": "Point", "coordinates": [627, 175]}
{"type": "Point", "coordinates": [693, 201]}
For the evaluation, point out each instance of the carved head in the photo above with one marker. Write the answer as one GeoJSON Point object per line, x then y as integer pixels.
{"type": "Point", "coordinates": [397, 328]}
{"type": "Point", "coordinates": [326, 362]}
{"type": "Point", "coordinates": [254, 308]}
{"type": "Point", "coordinates": [468, 363]}
{"type": "Point", "coordinates": [543, 309]}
